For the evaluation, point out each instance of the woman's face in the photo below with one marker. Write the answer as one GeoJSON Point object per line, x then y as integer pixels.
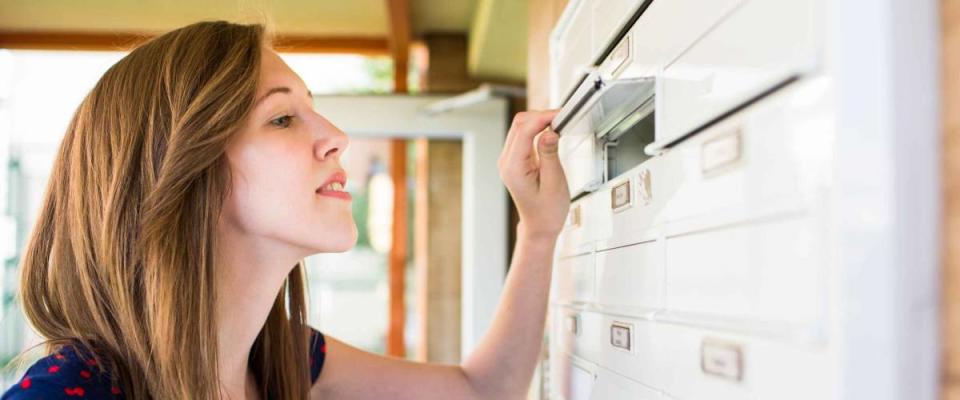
{"type": "Point", "coordinates": [287, 183]}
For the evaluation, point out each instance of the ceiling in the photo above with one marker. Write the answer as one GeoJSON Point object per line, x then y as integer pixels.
{"type": "Point", "coordinates": [496, 28]}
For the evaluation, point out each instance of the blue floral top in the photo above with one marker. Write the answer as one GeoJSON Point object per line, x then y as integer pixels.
{"type": "Point", "coordinates": [69, 375]}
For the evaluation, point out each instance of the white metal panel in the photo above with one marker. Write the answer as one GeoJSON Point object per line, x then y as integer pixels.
{"type": "Point", "coordinates": [610, 385]}
{"type": "Point", "coordinates": [582, 382]}
{"type": "Point", "coordinates": [770, 158]}
{"type": "Point", "coordinates": [577, 332]}
{"type": "Point", "coordinates": [690, 363]}
{"type": "Point", "coordinates": [641, 363]}
{"type": "Point", "coordinates": [767, 369]}
{"type": "Point", "coordinates": [769, 270]}
{"type": "Point", "coordinates": [575, 279]}
{"type": "Point", "coordinates": [607, 18]}
{"type": "Point", "coordinates": [668, 27]}
{"type": "Point", "coordinates": [631, 279]}
{"type": "Point", "coordinates": [572, 379]}
{"type": "Point", "coordinates": [760, 45]}
{"type": "Point", "coordinates": [590, 341]}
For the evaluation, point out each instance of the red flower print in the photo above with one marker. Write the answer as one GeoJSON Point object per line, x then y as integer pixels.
{"type": "Point", "coordinates": [92, 362]}
{"type": "Point", "coordinates": [115, 390]}
{"type": "Point", "coordinates": [25, 383]}
{"type": "Point", "coordinates": [53, 369]}
{"type": "Point", "coordinates": [77, 391]}
{"type": "Point", "coordinates": [85, 374]}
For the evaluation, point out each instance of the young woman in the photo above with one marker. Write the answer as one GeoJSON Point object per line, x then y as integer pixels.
{"type": "Point", "coordinates": [166, 260]}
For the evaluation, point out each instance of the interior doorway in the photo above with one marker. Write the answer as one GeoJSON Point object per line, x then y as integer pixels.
{"type": "Point", "coordinates": [480, 129]}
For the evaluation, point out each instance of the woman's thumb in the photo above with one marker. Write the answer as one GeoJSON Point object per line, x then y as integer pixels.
{"type": "Point", "coordinates": [551, 173]}
{"type": "Point", "coordinates": [548, 144]}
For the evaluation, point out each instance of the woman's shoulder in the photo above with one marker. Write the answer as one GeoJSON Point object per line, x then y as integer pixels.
{"type": "Point", "coordinates": [64, 374]}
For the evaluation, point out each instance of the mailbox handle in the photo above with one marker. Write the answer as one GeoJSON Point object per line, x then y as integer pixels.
{"type": "Point", "coordinates": [590, 85]}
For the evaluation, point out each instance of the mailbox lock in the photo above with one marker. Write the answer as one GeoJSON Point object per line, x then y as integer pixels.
{"type": "Point", "coordinates": [620, 196]}
{"type": "Point", "coordinates": [620, 336]}
{"type": "Point", "coordinates": [722, 359]}
{"type": "Point", "coordinates": [721, 153]}
{"type": "Point", "coordinates": [620, 57]}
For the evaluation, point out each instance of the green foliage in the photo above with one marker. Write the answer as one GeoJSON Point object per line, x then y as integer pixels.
{"type": "Point", "coordinates": [360, 207]}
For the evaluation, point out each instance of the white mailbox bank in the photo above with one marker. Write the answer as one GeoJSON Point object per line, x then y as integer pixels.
{"type": "Point", "coordinates": [737, 231]}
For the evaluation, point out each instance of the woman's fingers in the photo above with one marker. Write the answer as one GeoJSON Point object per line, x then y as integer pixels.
{"type": "Point", "coordinates": [530, 167]}
{"type": "Point", "coordinates": [526, 125]}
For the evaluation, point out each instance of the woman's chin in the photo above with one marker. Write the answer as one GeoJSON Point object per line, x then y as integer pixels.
{"type": "Point", "coordinates": [346, 245]}
{"type": "Point", "coordinates": [341, 243]}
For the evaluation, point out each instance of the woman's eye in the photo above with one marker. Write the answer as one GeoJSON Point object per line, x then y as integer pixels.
{"type": "Point", "coordinates": [282, 122]}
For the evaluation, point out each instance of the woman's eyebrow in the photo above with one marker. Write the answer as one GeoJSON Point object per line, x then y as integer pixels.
{"type": "Point", "coordinates": [279, 89]}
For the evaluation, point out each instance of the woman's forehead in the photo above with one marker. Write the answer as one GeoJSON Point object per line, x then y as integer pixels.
{"type": "Point", "coordinates": [274, 72]}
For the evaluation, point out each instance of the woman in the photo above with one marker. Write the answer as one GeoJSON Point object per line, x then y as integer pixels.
{"type": "Point", "coordinates": [192, 181]}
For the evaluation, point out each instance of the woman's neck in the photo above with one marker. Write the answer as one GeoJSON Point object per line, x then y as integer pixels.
{"type": "Point", "coordinates": [250, 274]}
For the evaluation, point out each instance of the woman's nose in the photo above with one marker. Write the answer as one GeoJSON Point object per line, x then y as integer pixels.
{"type": "Point", "coordinates": [332, 142]}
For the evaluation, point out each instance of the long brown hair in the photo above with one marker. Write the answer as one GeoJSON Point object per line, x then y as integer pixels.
{"type": "Point", "coordinates": [121, 259]}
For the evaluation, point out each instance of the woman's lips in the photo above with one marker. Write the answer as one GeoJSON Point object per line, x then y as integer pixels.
{"type": "Point", "coordinates": [334, 185]}
{"type": "Point", "coordinates": [336, 194]}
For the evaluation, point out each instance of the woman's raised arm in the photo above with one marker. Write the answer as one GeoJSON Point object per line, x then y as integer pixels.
{"type": "Point", "coordinates": [502, 365]}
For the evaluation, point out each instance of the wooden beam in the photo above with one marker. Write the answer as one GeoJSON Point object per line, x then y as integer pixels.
{"type": "Point", "coordinates": [72, 40]}
{"type": "Point", "coordinates": [398, 250]}
{"type": "Point", "coordinates": [372, 46]}
{"type": "Point", "coordinates": [443, 265]}
{"type": "Point", "coordinates": [399, 39]}
{"type": "Point", "coordinates": [421, 246]}
{"type": "Point", "coordinates": [124, 41]}
{"type": "Point", "coordinates": [447, 61]}
{"type": "Point", "coordinates": [399, 43]}
{"type": "Point", "coordinates": [950, 278]}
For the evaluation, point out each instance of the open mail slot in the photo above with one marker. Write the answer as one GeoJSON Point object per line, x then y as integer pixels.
{"type": "Point", "coordinates": [606, 124]}
{"type": "Point", "coordinates": [624, 142]}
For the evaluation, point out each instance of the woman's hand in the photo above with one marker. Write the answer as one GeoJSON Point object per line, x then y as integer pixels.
{"type": "Point", "coordinates": [533, 175]}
